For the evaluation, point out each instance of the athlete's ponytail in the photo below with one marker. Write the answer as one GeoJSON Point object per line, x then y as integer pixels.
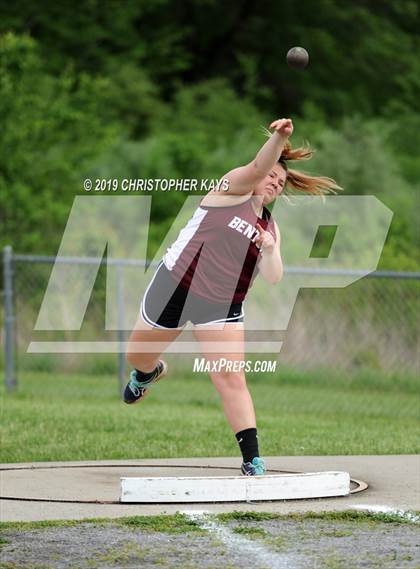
{"type": "Point", "coordinates": [315, 185]}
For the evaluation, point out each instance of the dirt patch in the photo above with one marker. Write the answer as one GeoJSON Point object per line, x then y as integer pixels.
{"type": "Point", "coordinates": [91, 546]}
{"type": "Point", "coordinates": [266, 544]}
{"type": "Point", "coordinates": [338, 544]}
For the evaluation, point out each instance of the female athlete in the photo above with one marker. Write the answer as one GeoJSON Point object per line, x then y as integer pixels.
{"type": "Point", "coordinates": [206, 273]}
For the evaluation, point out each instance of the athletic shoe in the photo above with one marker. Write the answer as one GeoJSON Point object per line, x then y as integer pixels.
{"type": "Point", "coordinates": [135, 390]}
{"type": "Point", "coordinates": [254, 468]}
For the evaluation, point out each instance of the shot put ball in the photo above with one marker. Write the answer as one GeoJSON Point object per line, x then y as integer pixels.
{"type": "Point", "coordinates": [297, 58]}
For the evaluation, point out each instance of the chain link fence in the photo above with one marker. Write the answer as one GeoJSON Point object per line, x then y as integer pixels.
{"type": "Point", "coordinates": [370, 325]}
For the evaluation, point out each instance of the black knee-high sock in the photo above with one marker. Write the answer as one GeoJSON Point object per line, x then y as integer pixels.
{"type": "Point", "coordinates": [248, 442]}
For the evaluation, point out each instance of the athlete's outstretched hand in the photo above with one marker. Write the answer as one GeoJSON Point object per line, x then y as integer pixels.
{"type": "Point", "coordinates": [284, 127]}
{"type": "Point", "coordinates": [265, 241]}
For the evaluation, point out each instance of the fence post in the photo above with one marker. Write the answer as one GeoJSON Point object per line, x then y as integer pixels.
{"type": "Point", "coordinates": [9, 319]}
{"type": "Point", "coordinates": [121, 328]}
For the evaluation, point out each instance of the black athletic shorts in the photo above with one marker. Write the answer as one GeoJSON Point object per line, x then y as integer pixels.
{"type": "Point", "coordinates": [171, 314]}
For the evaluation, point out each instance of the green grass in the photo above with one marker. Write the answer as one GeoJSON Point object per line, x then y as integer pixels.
{"type": "Point", "coordinates": [179, 523]}
{"type": "Point", "coordinates": [175, 524]}
{"type": "Point", "coordinates": [250, 532]}
{"type": "Point", "coordinates": [80, 417]}
{"type": "Point", "coordinates": [344, 515]}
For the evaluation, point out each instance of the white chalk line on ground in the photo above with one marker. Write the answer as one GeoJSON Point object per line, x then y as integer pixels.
{"type": "Point", "coordinates": [239, 545]}
{"type": "Point", "coordinates": [410, 516]}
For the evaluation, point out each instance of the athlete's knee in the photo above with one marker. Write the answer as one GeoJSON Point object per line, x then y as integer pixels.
{"type": "Point", "coordinates": [229, 380]}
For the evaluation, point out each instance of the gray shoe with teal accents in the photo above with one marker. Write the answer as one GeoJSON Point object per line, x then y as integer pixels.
{"type": "Point", "coordinates": [136, 390]}
{"type": "Point", "coordinates": [254, 468]}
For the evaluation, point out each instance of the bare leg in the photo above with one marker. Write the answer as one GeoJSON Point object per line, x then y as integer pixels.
{"type": "Point", "coordinates": [231, 385]}
{"type": "Point", "coordinates": [146, 344]}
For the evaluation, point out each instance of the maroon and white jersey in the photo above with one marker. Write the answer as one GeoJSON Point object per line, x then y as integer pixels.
{"type": "Point", "coordinates": [215, 255]}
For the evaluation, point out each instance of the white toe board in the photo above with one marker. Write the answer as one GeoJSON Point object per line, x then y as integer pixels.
{"type": "Point", "coordinates": [235, 488]}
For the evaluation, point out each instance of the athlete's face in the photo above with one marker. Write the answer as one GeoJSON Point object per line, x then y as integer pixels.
{"type": "Point", "coordinates": [272, 185]}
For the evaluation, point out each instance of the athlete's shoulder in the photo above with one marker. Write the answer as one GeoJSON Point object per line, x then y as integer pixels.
{"type": "Point", "coordinates": [216, 200]}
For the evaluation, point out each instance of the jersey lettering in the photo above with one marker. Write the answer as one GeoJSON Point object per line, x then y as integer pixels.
{"type": "Point", "coordinates": [244, 227]}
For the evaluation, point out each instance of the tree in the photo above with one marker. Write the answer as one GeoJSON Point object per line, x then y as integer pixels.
{"type": "Point", "coordinates": [51, 129]}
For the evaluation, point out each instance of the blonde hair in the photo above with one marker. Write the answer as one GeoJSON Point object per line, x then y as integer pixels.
{"type": "Point", "coordinates": [302, 182]}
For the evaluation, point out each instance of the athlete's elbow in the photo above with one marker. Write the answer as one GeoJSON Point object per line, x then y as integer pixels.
{"type": "Point", "coordinates": [258, 173]}
{"type": "Point", "coordinates": [273, 278]}
{"type": "Point", "coordinates": [277, 276]}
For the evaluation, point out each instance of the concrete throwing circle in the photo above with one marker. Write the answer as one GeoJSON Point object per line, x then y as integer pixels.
{"type": "Point", "coordinates": [100, 484]}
